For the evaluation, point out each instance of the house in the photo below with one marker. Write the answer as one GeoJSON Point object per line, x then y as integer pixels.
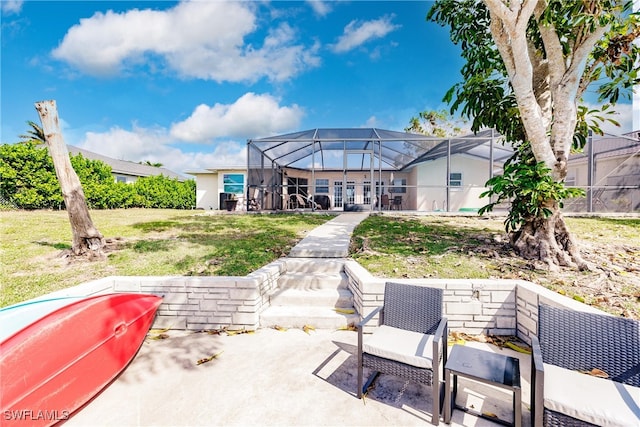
{"type": "Point", "coordinates": [123, 170]}
{"type": "Point", "coordinates": [357, 169]}
{"type": "Point", "coordinates": [608, 169]}
{"type": "Point", "coordinates": [214, 186]}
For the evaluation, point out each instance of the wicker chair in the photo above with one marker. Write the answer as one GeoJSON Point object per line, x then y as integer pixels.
{"type": "Point", "coordinates": [410, 317]}
{"type": "Point", "coordinates": [579, 341]}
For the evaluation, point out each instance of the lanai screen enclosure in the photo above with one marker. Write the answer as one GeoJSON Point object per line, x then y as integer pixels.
{"type": "Point", "coordinates": [352, 168]}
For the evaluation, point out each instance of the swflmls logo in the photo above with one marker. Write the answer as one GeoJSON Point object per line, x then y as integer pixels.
{"type": "Point", "coordinates": [30, 415]}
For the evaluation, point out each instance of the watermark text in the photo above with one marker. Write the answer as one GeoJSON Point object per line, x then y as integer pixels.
{"type": "Point", "coordinates": [31, 415]}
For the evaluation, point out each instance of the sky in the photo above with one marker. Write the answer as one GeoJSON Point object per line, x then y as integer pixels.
{"type": "Point", "coordinates": [186, 84]}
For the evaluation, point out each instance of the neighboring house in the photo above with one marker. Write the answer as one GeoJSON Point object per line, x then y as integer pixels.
{"type": "Point", "coordinates": [126, 171]}
{"type": "Point", "coordinates": [213, 186]}
{"type": "Point", "coordinates": [612, 183]}
{"type": "Point", "coordinates": [350, 169]}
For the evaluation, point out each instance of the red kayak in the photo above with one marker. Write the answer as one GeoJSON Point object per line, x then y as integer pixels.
{"type": "Point", "coordinates": [56, 364]}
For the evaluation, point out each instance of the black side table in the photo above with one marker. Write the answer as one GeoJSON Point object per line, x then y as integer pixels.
{"type": "Point", "coordinates": [486, 367]}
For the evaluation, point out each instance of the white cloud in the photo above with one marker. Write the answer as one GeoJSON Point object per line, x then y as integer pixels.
{"type": "Point", "coordinates": [197, 39]}
{"type": "Point", "coordinates": [357, 33]}
{"type": "Point", "coordinates": [250, 116]}
{"type": "Point", "coordinates": [225, 127]}
{"type": "Point", "coordinates": [138, 144]}
{"type": "Point", "coordinates": [372, 122]}
{"type": "Point", "coordinates": [623, 115]}
{"type": "Point", "coordinates": [10, 7]}
{"type": "Point", "coordinates": [320, 8]}
{"type": "Point", "coordinates": [155, 145]}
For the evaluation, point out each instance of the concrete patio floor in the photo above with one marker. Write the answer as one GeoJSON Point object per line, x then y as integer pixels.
{"type": "Point", "coordinates": [270, 377]}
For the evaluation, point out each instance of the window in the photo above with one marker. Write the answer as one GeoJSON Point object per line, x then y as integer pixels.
{"type": "Point", "coordinates": [322, 186]}
{"type": "Point", "coordinates": [399, 185]}
{"type": "Point", "coordinates": [233, 183]}
{"type": "Point", "coordinates": [455, 179]}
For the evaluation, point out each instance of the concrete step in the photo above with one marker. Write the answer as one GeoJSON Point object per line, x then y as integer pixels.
{"type": "Point", "coordinates": [299, 316]}
{"type": "Point", "coordinates": [313, 281]}
{"type": "Point", "coordinates": [307, 265]}
{"type": "Point", "coordinates": [312, 297]}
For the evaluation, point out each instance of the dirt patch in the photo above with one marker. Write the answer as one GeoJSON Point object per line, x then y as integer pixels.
{"type": "Point", "coordinates": [613, 285]}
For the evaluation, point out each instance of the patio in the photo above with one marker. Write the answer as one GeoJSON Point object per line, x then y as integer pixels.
{"type": "Point", "coordinates": [275, 377]}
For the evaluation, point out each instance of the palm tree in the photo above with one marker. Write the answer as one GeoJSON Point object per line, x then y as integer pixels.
{"type": "Point", "coordinates": [35, 134]}
{"type": "Point", "coordinates": [148, 163]}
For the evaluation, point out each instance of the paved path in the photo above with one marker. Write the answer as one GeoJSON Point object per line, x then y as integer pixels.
{"type": "Point", "coordinates": [268, 378]}
{"type": "Point", "coordinates": [330, 240]}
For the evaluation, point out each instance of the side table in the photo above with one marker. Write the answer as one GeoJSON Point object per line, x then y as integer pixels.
{"type": "Point", "coordinates": [486, 367]}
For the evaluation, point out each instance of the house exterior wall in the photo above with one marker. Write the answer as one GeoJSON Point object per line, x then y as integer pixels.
{"type": "Point", "coordinates": [607, 171]}
{"type": "Point", "coordinates": [209, 186]}
{"type": "Point", "coordinates": [206, 194]}
{"type": "Point", "coordinates": [615, 181]}
{"type": "Point", "coordinates": [432, 179]}
{"type": "Point", "coordinates": [359, 178]}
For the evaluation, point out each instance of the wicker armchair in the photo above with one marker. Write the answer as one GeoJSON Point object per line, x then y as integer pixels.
{"type": "Point", "coordinates": [570, 343]}
{"type": "Point", "coordinates": [410, 340]}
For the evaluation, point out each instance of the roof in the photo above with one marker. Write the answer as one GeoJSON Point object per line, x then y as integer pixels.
{"type": "Point", "coordinates": [125, 167]}
{"type": "Point", "coordinates": [608, 145]}
{"type": "Point", "coordinates": [323, 148]}
{"type": "Point", "coordinates": [475, 145]}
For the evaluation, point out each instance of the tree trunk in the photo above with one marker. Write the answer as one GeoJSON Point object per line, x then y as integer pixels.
{"type": "Point", "coordinates": [548, 240]}
{"type": "Point", "coordinates": [87, 240]}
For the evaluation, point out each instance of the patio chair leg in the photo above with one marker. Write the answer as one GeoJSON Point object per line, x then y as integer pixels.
{"type": "Point", "coordinates": [370, 381]}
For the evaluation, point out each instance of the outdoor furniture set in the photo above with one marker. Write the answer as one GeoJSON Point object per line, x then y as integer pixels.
{"type": "Point", "coordinates": [570, 344]}
{"type": "Point", "coordinates": [410, 341]}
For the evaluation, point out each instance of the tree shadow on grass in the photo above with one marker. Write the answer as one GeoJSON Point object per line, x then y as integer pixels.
{"type": "Point", "coordinates": [58, 245]}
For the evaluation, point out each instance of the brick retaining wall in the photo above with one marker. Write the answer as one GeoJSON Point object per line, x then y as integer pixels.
{"type": "Point", "coordinates": [474, 306]}
{"type": "Point", "coordinates": [196, 303]}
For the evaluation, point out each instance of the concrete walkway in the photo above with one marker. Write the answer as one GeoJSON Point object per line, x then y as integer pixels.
{"type": "Point", "coordinates": [277, 378]}
{"type": "Point", "coordinates": [271, 378]}
{"type": "Point", "coordinates": [330, 240]}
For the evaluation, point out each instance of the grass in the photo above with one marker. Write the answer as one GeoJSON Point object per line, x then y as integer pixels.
{"type": "Point", "coordinates": [473, 247]}
{"type": "Point", "coordinates": [170, 242]}
{"type": "Point", "coordinates": [415, 247]}
{"type": "Point", "coordinates": [140, 242]}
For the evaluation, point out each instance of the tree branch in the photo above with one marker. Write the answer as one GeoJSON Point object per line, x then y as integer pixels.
{"type": "Point", "coordinates": [498, 8]}
{"type": "Point", "coordinates": [552, 46]}
{"type": "Point", "coordinates": [525, 13]}
{"type": "Point", "coordinates": [513, 48]}
{"type": "Point", "coordinates": [582, 51]}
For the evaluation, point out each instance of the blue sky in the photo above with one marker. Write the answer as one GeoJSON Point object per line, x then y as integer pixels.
{"type": "Point", "coordinates": [187, 83]}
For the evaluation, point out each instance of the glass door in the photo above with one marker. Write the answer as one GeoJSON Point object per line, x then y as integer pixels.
{"type": "Point", "coordinates": [358, 170]}
{"type": "Point", "coordinates": [337, 194]}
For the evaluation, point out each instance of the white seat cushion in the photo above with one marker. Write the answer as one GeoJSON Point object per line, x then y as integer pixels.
{"type": "Point", "coordinates": [412, 348]}
{"type": "Point", "coordinates": [596, 400]}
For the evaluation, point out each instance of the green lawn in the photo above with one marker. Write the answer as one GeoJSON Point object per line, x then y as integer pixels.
{"type": "Point", "coordinates": [474, 247]}
{"type": "Point", "coordinates": [173, 242]}
{"type": "Point", "coordinates": [141, 242]}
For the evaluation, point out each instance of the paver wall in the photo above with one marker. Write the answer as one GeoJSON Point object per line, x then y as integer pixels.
{"type": "Point", "coordinates": [473, 306]}
{"type": "Point", "coordinates": [196, 303]}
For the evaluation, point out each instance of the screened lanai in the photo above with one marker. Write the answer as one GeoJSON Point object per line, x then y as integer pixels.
{"type": "Point", "coordinates": [372, 169]}
{"type": "Point", "coordinates": [362, 168]}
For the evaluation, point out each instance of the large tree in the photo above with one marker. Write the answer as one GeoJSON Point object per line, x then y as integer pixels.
{"type": "Point", "coordinates": [528, 65]}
